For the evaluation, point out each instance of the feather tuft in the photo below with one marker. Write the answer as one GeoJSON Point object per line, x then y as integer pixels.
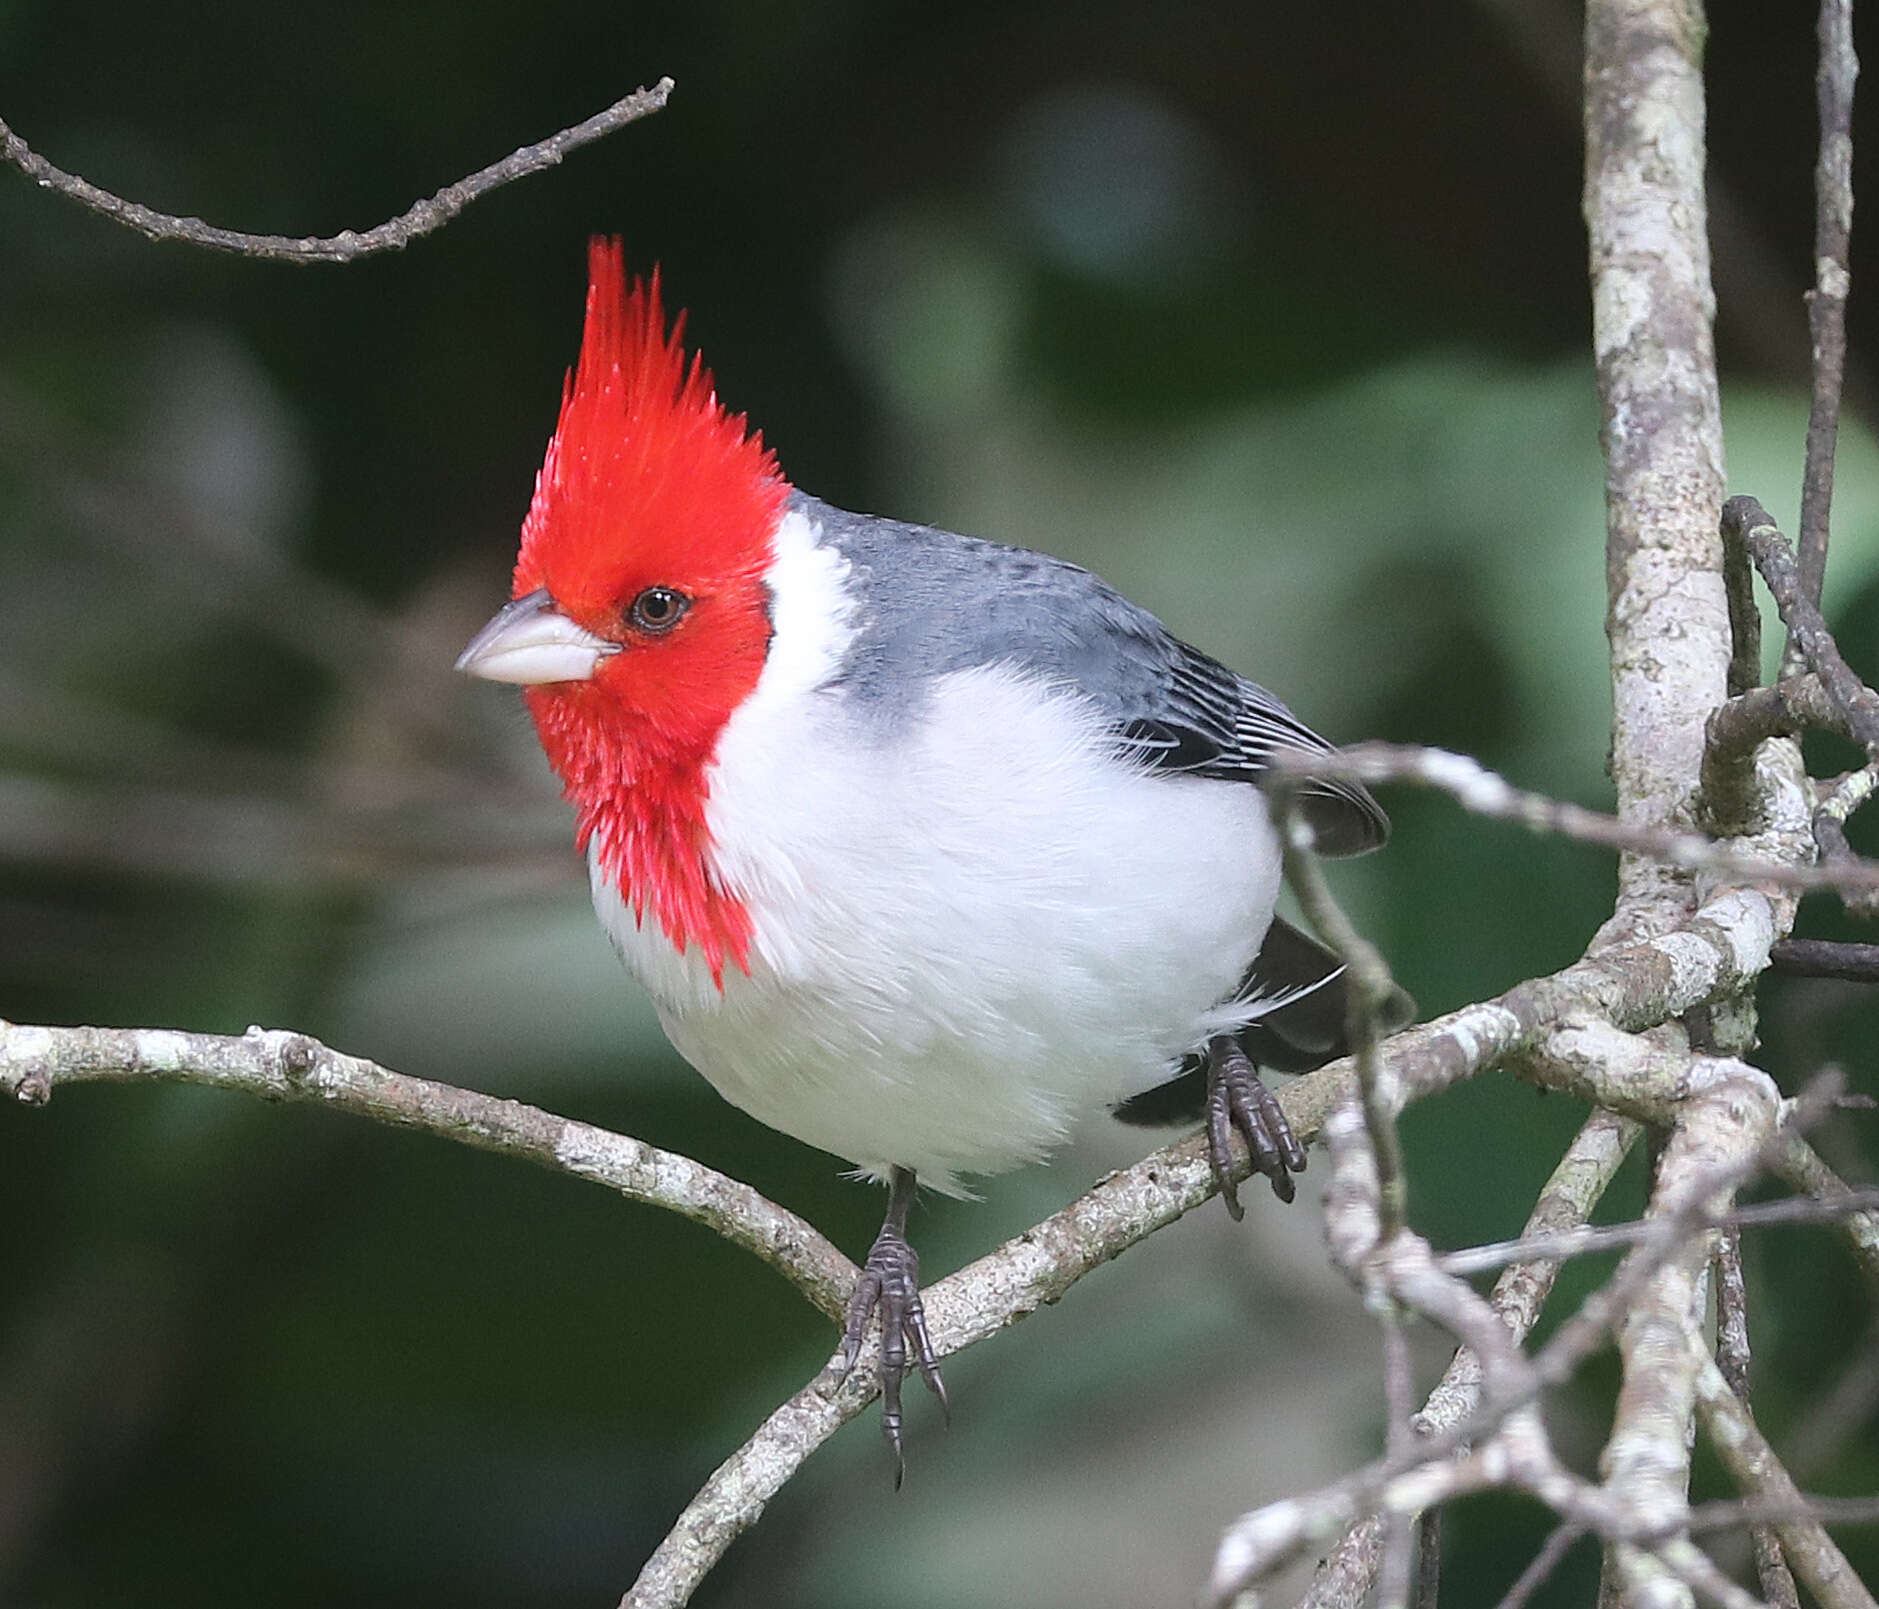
{"type": "Point", "coordinates": [650, 481]}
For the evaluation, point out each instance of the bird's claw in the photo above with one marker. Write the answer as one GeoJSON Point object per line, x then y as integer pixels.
{"type": "Point", "coordinates": [1237, 1100]}
{"type": "Point", "coordinates": [890, 1284]}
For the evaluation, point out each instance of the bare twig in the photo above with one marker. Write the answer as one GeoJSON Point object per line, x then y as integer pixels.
{"type": "Point", "coordinates": [1563, 1245]}
{"type": "Point", "coordinates": [733, 1499]}
{"type": "Point", "coordinates": [1834, 78]}
{"type": "Point", "coordinates": [349, 245]}
{"type": "Point", "coordinates": [1732, 1357]}
{"type": "Point", "coordinates": [1541, 1566]}
{"type": "Point", "coordinates": [1797, 1162]}
{"type": "Point", "coordinates": [1830, 818]}
{"type": "Point", "coordinates": [1399, 1530]}
{"type": "Point", "coordinates": [1480, 790]}
{"type": "Point", "coordinates": [1577, 1184]}
{"type": "Point", "coordinates": [1745, 626]}
{"type": "Point", "coordinates": [1826, 958]}
{"type": "Point", "coordinates": [1745, 520]}
{"type": "Point", "coordinates": [1517, 1453]}
{"type": "Point", "coordinates": [1845, 795]}
{"type": "Point", "coordinates": [1755, 1468]}
{"type": "Point", "coordinates": [1370, 992]}
{"type": "Point", "coordinates": [1731, 802]}
{"type": "Point", "coordinates": [1731, 1515]}
{"type": "Point", "coordinates": [292, 1067]}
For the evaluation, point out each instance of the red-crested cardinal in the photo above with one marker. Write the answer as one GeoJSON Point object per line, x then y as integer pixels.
{"type": "Point", "coordinates": [922, 846]}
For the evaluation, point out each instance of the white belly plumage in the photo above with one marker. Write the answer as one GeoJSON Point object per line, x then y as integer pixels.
{"type": "Point", "coordinates": [967, 931]}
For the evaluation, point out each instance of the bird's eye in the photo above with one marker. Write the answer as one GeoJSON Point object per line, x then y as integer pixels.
{"type": "Point", "coordinates": [658, 609]}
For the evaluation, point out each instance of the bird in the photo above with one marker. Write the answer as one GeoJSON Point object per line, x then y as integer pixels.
{"type": "Point", "coordinates": [924, 847]}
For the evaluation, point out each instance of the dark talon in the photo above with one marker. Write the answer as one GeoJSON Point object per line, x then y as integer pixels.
{"type": "Point", "coordinates": [890, 1283]}
{"type": "Point", "coordinates": [1236, 1099]}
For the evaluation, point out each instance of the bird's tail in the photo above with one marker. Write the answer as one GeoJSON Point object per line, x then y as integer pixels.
{"type": "Point", "coordinates": [1302, 990]}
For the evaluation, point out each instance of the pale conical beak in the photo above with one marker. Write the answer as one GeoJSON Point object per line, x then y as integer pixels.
{"type": "Point", "coordinates": [531, 641]}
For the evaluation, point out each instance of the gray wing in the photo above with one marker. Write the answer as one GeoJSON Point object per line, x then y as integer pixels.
{"type": "Point", "coordinates": [933, 602]}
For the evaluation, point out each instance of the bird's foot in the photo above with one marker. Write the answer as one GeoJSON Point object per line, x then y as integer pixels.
{"type": "Point", "coordinates": [1236, 1099]}
{"type": "Point", "coordinates": [890, 1285]}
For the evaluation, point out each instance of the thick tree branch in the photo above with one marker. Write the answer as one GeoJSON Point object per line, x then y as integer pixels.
{"type": "Point", "coordinates": [1661, 419]}
{"type": "Point", "coordinates": [348, 245]}
{"type": "Point", "coordinates": [1720, 1136]}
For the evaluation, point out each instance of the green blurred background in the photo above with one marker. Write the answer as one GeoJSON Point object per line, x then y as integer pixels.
{"type": "Point", "coordinates": [1273, 314]}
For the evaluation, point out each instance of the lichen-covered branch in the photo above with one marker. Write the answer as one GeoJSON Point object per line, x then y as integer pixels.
{"type": "Point", "coordinates": [1646, 1462]}
{"type": "Point", "coordinates": [277, 1066]}
{"type": "Point", "coordinates": [1667, 618]}
{"type": "Point", "coordinates": [421, 218]}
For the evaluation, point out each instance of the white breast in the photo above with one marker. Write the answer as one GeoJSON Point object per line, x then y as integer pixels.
{"type": "Point", "coordinates": [966, 933]}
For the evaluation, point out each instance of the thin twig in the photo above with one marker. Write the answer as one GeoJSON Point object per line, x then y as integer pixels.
{"type": "Point", "coordinates": [1755, 1468]}
{"type": "Point", "coordinates": [1399, 1530]}
{"type": "Point", "coordinates": [1541, 1566]}
{"type": "Point", "coordinates": [1745, 624]}
{"type": "Point", "coordinates": [1730, 1515]}
{"type": "Point", "coordinates": [1730, 799]}
{"type": "Point", "coordinates": [1834, 78]}
{"type": "Point", "coordinates": [349, 245]}
{"type": "Point", "coordinates": [1733, 1358]}
{"type": "Point", "coordinates": [1826, 958]}
{"type": "Point", "coordinates": [1371, 989]}
{"type": "Point", "coordinates": [1566, 1244]}
{"type": "Point", "coordinates": [1480, 790]}
{"type": "Point", "coordinates": [1575, 1188]}
{"type": "Point", "coordinates": [1835, 809]}
{"type": "Point", "coordinates": [1744, 519]}
{"type": "Point", "coordinates": [1734, 1101]}
{"type": "Point", "coordinates": [1730, 1103]}
{"type": "Point", "coordinates": [1799, 1163]}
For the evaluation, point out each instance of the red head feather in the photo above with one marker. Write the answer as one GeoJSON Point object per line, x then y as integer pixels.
{"type": "Point", "coordinates": [650, 482]}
